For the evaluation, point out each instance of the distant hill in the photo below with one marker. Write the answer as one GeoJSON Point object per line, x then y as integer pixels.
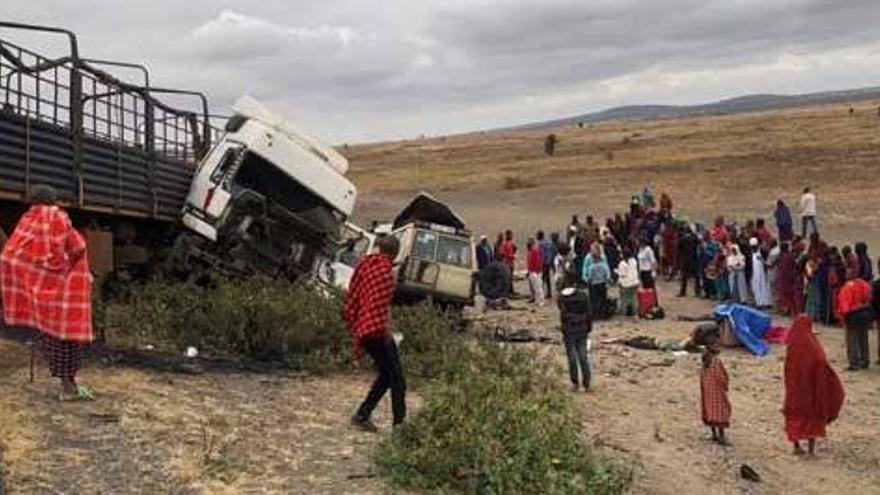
{"type": "Point", "coordinates": [739, 104]}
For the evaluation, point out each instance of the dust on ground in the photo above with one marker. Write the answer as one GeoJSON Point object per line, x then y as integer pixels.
{"type": "Point", "coordinates": [152, 432]}
{"type": "Point", "coordinates": [282, 433]}
{"type": "Point", "coordinates": [645, 407]}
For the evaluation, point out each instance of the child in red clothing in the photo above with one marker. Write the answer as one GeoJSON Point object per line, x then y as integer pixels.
{"type": "Point", "coordinates": [713, 391]}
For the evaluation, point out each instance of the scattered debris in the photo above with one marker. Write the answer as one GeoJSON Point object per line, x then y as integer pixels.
{"type": "Point", "coordinates": [520, 335]}
{"type": "Point", "coordinates": [105, 417]}
{"type": "Point", "coordinates": [750, 474]}
{"type": "Point", "coordinates": [361, 476]}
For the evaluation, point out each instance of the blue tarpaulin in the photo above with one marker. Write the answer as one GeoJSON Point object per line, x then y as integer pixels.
{"type": "Point", "coordinates": [748, 324]}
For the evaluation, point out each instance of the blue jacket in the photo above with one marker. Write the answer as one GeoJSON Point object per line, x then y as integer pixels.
{"type": "Point", "coordinates": [596, 273]}
{"type": "Point", "coordinates": [484, 255]}
{"type": "Point", "coordinates": [548, 252]}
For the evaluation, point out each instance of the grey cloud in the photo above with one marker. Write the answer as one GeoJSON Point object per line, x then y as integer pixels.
{"type": "Point", "coordinates": [367, 70]}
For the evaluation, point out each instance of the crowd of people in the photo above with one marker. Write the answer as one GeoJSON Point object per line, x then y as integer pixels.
{"type": "Point", "coordinates": [726, 262]}
{"type": "Point", "coordinates": [793, 274]}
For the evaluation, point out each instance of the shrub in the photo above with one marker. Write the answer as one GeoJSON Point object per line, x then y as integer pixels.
{"type": "Point", "coordinates": [431, 348]}
{"type": "Point", "coordinates": [268, 320]}
{"type": "Point", "coordinates": [258, 319]}
{"type": "Point", "coordinates": [496, 424]}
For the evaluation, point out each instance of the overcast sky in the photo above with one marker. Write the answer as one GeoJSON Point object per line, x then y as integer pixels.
{"type": "Point", "coordinates": [368, 70]}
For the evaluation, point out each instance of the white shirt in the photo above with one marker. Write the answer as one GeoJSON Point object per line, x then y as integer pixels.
{"type": "Point", "coordinates": [647, 260]}
{"type": "Point", "coordinates": [808, 205]}
{"type": "Point", "coordinates": [628, 271]}
{"type": "Point", "coordinates": [736, 262]}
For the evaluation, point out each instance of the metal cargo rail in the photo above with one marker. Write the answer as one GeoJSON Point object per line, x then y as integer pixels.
{"type": "Point", "coordinates": [106, 145]}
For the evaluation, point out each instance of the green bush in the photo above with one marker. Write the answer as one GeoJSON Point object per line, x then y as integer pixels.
{"type": "Point", "coordinates": [269, 320]}
{"type": "Point", "coordinates": [496, 424]}
{"type": "Point", "coordinates": [258, 319]}
{"type": "Point", "coordinates": [431, 347]}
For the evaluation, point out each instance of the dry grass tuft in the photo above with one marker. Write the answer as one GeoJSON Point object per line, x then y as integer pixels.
{"type": "Point", "coordinates": [515, 183]}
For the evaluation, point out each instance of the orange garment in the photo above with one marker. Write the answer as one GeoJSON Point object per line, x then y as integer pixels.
{"type": "Point", "coordinates": [854, 294]}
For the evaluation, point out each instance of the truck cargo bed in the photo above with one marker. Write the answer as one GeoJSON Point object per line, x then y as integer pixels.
{"type": "Point", "coordinates": [107, 145]}
{"type": "Point", "coordinates": [115, 178]}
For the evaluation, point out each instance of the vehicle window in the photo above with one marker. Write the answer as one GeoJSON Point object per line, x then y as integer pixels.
{"type": "Point", "coordinates": [229, 158]}
{"type": "Point", "coordinates": [353, 251]}
{"type": "Point", "coordinates": [454, 251]}
{"type": "Point", "coordinates": [425, 245]}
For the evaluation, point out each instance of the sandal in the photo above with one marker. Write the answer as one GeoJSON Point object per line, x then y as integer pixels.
{"type": "Point", "coordinates": [83, 394]}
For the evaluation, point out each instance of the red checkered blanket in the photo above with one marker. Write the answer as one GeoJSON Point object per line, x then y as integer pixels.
{"type": "Point", "coordinates": [45, 277]}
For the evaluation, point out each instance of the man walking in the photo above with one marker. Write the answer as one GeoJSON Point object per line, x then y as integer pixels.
{"type": "Point", "coordinates": [576, 325]}
{"type": "Point", "coordinates": [808, 213]}
{"type": "Point", "coordinates": [853, 308]}
{"type": "Point", "coordinates": [368, 315]}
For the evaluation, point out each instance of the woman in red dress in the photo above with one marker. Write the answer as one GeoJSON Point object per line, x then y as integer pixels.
{"type": "Point", "coordinates": [813, 392]}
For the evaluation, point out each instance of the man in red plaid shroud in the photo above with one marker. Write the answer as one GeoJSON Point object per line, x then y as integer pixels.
{"type": "Point", "coordinates": [47, 286]}
{"type": "Point", "coordinates": [368, 315]}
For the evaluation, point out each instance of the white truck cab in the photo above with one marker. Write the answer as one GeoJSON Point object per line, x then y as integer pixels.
{"type": "Point", "coordinates": [268, 198]}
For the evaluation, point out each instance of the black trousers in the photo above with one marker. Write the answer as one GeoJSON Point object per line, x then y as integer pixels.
{"type": "Point", "coordinates": [599, 301]}
{"type": "Point", "coordinates": [857, 348]}
{"type": "Point", "coordinates": [687, 273]}
{"type": "Point", "coordinates": [547, 279]}
{"type": "Point", "coordinates": [383, 350]}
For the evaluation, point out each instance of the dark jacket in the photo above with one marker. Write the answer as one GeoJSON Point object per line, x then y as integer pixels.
{"type": "Point", "coordinates": [495, 281]}
{"type": "Point", "coordinates": [484, 255]}
{"type": "Point", "coordinates": [687, 256]}
{"type": "Point", "coordinates": [575, 316]}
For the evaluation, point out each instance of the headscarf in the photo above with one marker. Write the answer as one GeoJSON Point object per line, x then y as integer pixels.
{"type": "Point", "coordinates": [812, 388]}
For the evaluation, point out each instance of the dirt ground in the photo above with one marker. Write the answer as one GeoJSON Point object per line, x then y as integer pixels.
{"type": "Point", "coordinates": [154, 432]}
{"type": "Point", "coordinates": [158, 432]}
{"type": "Point", "coordinates": [645, 408]}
